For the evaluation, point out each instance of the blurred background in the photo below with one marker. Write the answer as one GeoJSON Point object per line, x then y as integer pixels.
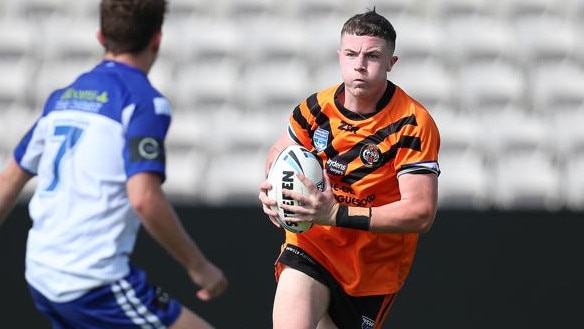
{"type": "Point", "coordinates": [504, 80]}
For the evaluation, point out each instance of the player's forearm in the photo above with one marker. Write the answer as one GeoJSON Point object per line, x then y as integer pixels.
{"type": "Point", "coordinates": [12, 181]}
{"type": "Point", "coordinates": [164, 226]}
{"type": "Point", "coordinates": [402, 216]}
{"type": "Point", "coordinates": [397, 217]}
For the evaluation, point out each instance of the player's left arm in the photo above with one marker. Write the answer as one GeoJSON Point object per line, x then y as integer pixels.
{"type": "Point", "coordinates": [413, 213]}
{"type": "Point", "coordinates": [12, 180]}
{"type": "Point", "coordinates": [416, 209]}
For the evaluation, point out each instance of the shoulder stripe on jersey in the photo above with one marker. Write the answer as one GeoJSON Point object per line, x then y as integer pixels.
{"type": "Point", "coordinates": [394, 127]}
{"type": "Point", "coordinates": [313, 106]}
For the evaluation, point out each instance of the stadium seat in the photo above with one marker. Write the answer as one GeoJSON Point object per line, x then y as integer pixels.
{"type": "Point", "coordinates": [325, 75]}
{"type": "Point", "coordinates": [491, 85]}
{"type": "Point", "coordinates": [527, 180]}
{"type": "Point", "coordinates": [283, 43]}
{"type": "Point", "coordinates": [18, 41]}
{"type": "Point", "coordinates": [245, 11]}
{"type": "Point", "coordinates": [224, 129]}
{"type": "Point", "coordinates": [574, 10]}
{"type": "Point", "coordinates": [430, 82]}
{"type": "Point", "coordinates": [275, 84]}
{"type": "Point", "coordinates": [423, 39]}
{"type": "Point", "coordinates": [514, 10]}
{"type": "Point", "coordinates": [565, 128]}
{"type": "Point", "coordinates": [556, 87]}
{"type": "Point", "coordinates": [323, 39]}
{"type": "Point", "coordinates": [307, 10]}
{"type": "Point", "coordinates": [185, 170]}
{"type": "Point", "coordinates": [547, 40]}
{"type": "Point", "coordinates": [514, 130]}
{"type": "Point", "coordinates": [196, 85]}
{"type": "Point", "coordinates": [15, 81]}
{"type": "Point", "coordinates": [476, 39]}
{"type": "Point", "coordinates": [573, 182]}
{"type": "Point", "coordinates": [233, 178]}
{"type": "Point", "coordinates": [444, 10]}
{"type": "Point", "coordinates": [76, 44]}
{"type": "Point", "coordinates": [394, 9]}
{"type": "Point", "coordinates": [188, 130]}
{"type": "Point", "coordinates": [208, 41]}
{"type": "Point", "coordinates": [34, 11]}
{"type": "Point", "coordinates": [464, 180]}
{"type": "Point", "coordinates": [459, 131]}
{"type": "Point", "coordinates": [162, 76]}
{"type": "Point", "coordinates": [16, 121]}
{"type": "Point", "coordinates": [179, 10]}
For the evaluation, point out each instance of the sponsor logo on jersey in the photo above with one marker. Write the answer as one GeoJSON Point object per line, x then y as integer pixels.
{"type": "Point", "coordinates": [370, 155]}
{"type": "Point", "coordinates": [349, 200]}
{"type": "Point", "coordinates": [82, 100]}
{"type": "Point", "coordinates": [320, 139]}
{"type": "Point", "coordinates": [348, 127]}
{"type": "Point", "coordinates": [336, 167]}
{"type": "Point", "coordinates": [85, 95]}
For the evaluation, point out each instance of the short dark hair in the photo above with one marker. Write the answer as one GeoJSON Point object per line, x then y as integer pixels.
{"type": "Point", "coordinates": [128, 25]}
{"type": "Point", "coordinates": [370, 23]}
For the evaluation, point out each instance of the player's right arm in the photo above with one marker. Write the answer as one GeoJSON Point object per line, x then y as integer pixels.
{"type": "Point", "coordinates": [12, 180]}
{"type": "Point", "coordinates": [280, 144]}
{"type": "Point", "coordinates": [162, 223]}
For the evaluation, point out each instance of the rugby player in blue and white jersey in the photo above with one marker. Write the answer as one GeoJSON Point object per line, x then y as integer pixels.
{"type": "Point", "coordinates": [98, 153]}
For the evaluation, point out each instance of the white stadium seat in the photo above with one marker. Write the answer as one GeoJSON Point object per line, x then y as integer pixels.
{"type": "Point", "coordinates": [430, 82]}
{"type": "Point", "coordinates": [557, 87]}
{"type": "Point", "coordinates": [544, 40]}
{"type": "Point", "coordinates": [423, 39]}
{"type": "Point", "coordinates": [479, 39]}
{"type": "Point", "coordinates": [573, 182]}
{"type": "Point", "coordinates": [492, 84]}
{"type": "Point", "coordinates": [465, 179]}
{"type": "Point", "coordinates": [527, 180]}
{"type": "Point", "coordinates": [196, 85]}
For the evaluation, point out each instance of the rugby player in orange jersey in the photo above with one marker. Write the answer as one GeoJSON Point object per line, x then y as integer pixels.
{"type": "Point", "coordinates": [379, 149]}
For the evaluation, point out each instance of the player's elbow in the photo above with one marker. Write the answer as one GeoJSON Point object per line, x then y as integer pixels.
{"type": "Point", "coordinates": [424, 219]}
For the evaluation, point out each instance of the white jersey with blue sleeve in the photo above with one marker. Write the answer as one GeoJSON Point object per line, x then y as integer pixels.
{"type": "Point", "coordinates": [108, 125]}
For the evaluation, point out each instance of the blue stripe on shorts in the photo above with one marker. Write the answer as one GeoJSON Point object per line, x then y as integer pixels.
{"type": "Point", "coordinates": [128, 303]}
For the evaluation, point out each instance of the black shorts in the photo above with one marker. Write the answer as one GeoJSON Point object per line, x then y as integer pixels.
{"type": "Point", "coordinates": [346, 311]}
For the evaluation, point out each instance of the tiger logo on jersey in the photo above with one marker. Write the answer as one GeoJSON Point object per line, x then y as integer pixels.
{"type": "Point", "coordinates": [370, 155]}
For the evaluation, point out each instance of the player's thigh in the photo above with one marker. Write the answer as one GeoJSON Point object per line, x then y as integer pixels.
{"type": "Point", "coordinates": [190, 320]}
{"type": "Point", "coordinates": [300, 301]}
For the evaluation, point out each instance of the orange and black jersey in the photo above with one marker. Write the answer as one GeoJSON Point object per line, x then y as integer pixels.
{"type": "Point", "coordinates": [363, 156]}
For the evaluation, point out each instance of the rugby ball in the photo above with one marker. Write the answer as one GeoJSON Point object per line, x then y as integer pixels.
{"type": "Point", "coordinates": [282, 175]}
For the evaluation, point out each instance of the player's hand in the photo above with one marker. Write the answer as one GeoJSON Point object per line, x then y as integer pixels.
{"type": "Point", "coordinates": [317, 207]}
{"type": "Point", "coordinates": [268, 203]}
{"type": "Point", "coordinates": [211, 280]}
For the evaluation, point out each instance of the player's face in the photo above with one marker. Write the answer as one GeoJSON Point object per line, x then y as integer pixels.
{"type": "Point", "coordinates": [365, 61]}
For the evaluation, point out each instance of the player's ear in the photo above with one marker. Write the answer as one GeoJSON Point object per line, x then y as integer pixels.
{"type": "Point", "coordinates": [392, 62]}
{"type": "Point", "coordinates": [156, 40]}
{"type": "Point", "coordinates": [100, 38]}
